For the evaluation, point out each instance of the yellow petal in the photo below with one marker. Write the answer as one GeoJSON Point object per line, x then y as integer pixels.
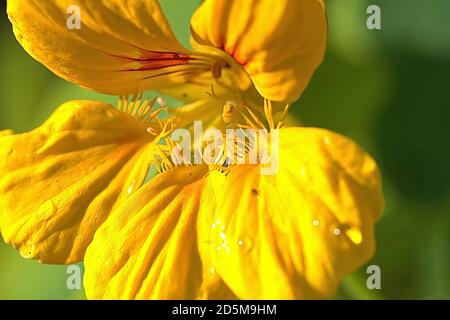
{"type": "Point", "coordinates": [208, 111]}
{"type": "Point", "coordinates": [280, 43]}
{"type": "Point", "coordinates": [59, 182]}
{"type": "Point", "coordinates": [121, 48]}
{"type": "Point", "coordinates": [4, 133]}
{"type": "Point", "coordinates": [147, 249]}
{"type": "Point", "coordinates": [295, 234]}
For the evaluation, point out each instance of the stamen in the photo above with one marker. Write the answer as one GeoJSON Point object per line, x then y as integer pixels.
{"type": "Point", "coordinates": [212, 94]}
{"type": "Point", "coordinates": [247, 143]}
{"type": "Point", "coordinates": [268, 110]}
{"type": "Point", "coordinates": [140, 109]}
{"type": "Point", "coordinates": [268, 115]}
{"type": "Point", "coordinates": [160, 100]}
{"type": "Point", "coordinates": [130, 104]}
{"type": "Point", "coordinates": [120, 104]}
{"type": "Point", "coordinates": [255, 118]}
{"type": "Point", "coordinates": [152, 131]}
{"type": "Point", "coordinates": [283, 117]}
{"type": "Point", "coordinates": [145, 110]}
{"type": "Point", "coordinates": [216, 70]}
{"type": "Point", "coordinates": [229, 111]}
{"type": "Point", "coordinates": [136, 104]}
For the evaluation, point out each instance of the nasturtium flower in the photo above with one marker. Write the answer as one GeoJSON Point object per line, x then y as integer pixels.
{"type": "Point", "coordinates": [285, 236]}
{"type": "Point", "coordinates": [76, 189]}
{"type": "Point", "coordinates": [124, 47]}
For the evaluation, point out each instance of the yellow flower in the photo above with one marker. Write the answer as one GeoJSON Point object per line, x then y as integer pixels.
{"type": "Point", "coordinates": [193, 233]}
{"type": "Point", "coordinates": [124, 47]}
{"type": "Point", "coordinates": [73, 189]}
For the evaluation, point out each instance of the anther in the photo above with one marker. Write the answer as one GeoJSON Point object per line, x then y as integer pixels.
{"type": "Point", "coordinates": [228, 111]}
{"type": "Point", "coordinates": [216, 70]}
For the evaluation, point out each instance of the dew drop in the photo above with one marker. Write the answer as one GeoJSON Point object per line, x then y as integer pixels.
{"type": "Point", "coordinates": [315, 222]}
{"type": "Point", "coordinates": [326, 140]}
{"type": "Point", "coordinates": [131, 187]}
{"type": "Point", "coordinates": [245, 244]}
{"type": "Point", "coordinates": [337, 231]}
{"type": "Point", "coordinates": [212, 270]}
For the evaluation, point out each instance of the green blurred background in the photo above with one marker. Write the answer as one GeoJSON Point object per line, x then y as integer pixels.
{"type": "Point", "coordinates": [387, 89]}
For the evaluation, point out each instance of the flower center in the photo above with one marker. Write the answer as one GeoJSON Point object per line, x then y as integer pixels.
{"type": "Point", "coordinates": [147, 111]}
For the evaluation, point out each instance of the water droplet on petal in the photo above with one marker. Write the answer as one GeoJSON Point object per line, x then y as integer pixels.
{"type": "Point", "coordinates": [315, 222]}
{"type": "Point", "coordinates": [337, 231]}
{"type": "Point", "coordinates": [245, 244]}
{"type": "Point", "coordinates": [131, 187]}
{"type": "Point", "coordinates": [212, 270]}
{"type": "Point", "coordinates": [326, 140]}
